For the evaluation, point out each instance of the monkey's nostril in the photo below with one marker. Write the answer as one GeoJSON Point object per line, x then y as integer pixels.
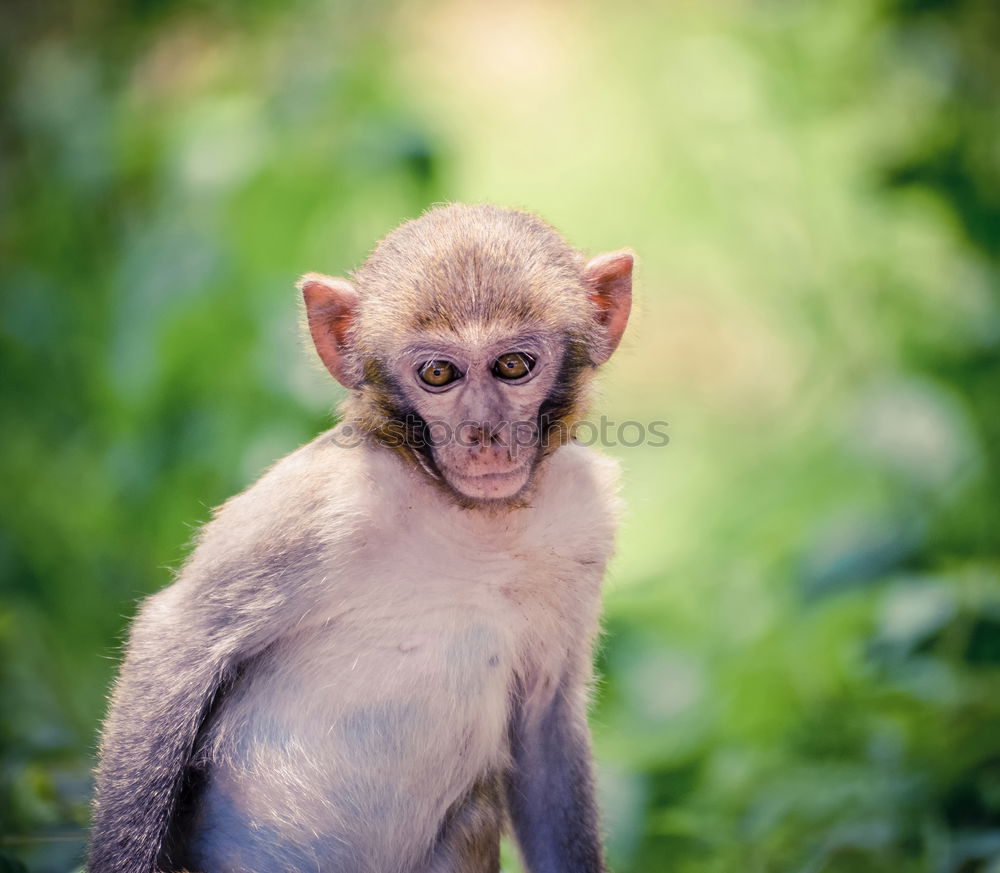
{"type": "Point", "coordinates": [476, 436]}
{"type": "Point", "coordinates": [479, 437]}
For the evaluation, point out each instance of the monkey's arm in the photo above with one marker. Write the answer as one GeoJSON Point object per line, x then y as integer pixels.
{"type": "Point", "coordinates": [551, 791]}
{"type": "Point", "coordinates": [165, 688]}
{"type": "Point", "coordinates": [255, 574]}
{"type": "Point", "coordinates": [183, 648]}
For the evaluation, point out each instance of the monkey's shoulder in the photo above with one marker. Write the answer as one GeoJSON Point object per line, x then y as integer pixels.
{"type": "Point", "coordinates": [305, 507]}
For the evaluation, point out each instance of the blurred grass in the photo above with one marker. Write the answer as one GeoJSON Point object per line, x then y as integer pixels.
{"type": "Point", "coordinates": [801, 670]}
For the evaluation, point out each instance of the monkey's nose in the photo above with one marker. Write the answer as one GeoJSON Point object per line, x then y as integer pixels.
{"type": "Point", "coordinates": [480, 434]}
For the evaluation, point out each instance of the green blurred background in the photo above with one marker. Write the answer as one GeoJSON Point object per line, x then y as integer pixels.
{"type": "Point", "coordinates": [801, 670]}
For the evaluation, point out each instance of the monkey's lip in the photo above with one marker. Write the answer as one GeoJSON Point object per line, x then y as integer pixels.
{"type": "Point", "coordinates": [491, 477]}
{"type": "Point", "coordinates": [494, 485]}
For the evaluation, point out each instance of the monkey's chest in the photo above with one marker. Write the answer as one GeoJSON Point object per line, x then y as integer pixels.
{"type": "Point", "coordinates": [410, 671]}
{"type": "Point", "coordinates": [385, 712]}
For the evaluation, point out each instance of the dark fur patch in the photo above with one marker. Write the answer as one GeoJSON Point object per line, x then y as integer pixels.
{"type": "Point", "coordinates": [469, 839]}
{"type": "Point", "coordinates": [550, 793]}
{"type": "Point", "coordinates": [392, 421]}
{"type": "Point", "coordinates": [558, 412]}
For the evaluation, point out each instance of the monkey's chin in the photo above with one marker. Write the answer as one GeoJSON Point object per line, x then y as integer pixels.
{"type": "Point", "coordinates": [489, 487]}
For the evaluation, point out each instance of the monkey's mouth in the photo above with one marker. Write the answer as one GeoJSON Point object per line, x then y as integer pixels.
{"type": "Point", "coordinates": [497, 485]}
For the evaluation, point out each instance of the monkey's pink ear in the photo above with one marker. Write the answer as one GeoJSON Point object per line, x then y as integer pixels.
{"type": "Point", "coordinates": [331, 305]}
{"type": "Point", "coordinates": [609, 280]}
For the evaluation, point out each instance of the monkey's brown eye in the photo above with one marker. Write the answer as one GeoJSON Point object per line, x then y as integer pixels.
{"type": "Point", "coordinates": [438, 373]}
{"type": "Point", "coordinates": [513, 365]}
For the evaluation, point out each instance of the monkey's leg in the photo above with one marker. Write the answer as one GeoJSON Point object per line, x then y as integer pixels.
{"type": "Point", "coordinates": [469, 840]}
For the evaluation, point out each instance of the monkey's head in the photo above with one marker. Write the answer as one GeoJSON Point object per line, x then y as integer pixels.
{"type": "Point", "coordinates": [468, 339]}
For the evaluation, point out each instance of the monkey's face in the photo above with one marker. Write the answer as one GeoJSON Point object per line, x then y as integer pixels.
{"type": "Point", "coordinates": [476, 408]}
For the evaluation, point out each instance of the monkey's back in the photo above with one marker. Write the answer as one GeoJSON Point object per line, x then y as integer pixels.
{"type": "Point", "coordinates": [384, 702]}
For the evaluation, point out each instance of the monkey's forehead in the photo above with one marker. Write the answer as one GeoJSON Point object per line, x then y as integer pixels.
{"type": "Point", "coordinates": [482, 252]}
{"type": "Point", "coordinates": [474, 341]}
{"type": "Point", "coordinates": [472, 264]}
{"type": "Point", "coordinates": [475, 311]}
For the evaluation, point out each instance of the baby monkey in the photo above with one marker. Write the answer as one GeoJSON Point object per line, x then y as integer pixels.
{"type": "Point", "coordinates": [377, 658]}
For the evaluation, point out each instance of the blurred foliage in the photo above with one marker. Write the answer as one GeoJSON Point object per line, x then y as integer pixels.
{"type": "Point", "coordinates": [801, 670]}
